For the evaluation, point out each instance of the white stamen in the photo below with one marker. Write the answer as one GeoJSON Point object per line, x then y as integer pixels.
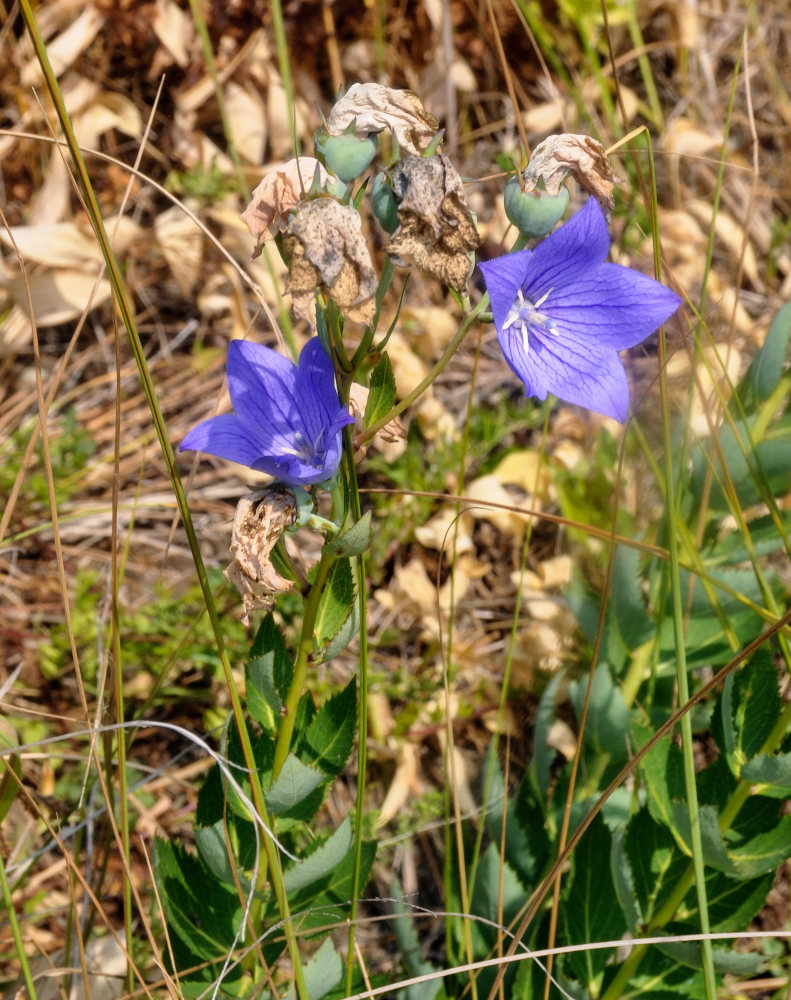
{"type": "Point", "coordinates": [523, 314]}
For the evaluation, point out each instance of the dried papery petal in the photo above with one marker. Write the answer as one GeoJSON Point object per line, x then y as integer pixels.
{"type": "Point", "coordinates": [581, 155]}
{"type": "Point", "coordinates": [437, 230]}
{"type": "Point", "coordinates": [326, 248]}
{"type": "Point", "coordinates": [261, 518]}
{"type": "Point", "coordinates": [373, 108]}
{"type": "Point", "coordinates": [278, 194]}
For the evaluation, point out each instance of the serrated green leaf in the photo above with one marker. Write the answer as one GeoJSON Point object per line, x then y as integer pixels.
{"type": "Point", "coordinates": [213, 849]}
{"type": "Point", "coordinates": [588, 910]}
{"type": "Point", "coordinates": [382, 392]}
{"type": "Point", "coordinates": [607, 723]}
{"type": "Point", "coordinates": [294, 784]}
{"type": "Point", "coordinates": [268, 674]}
{"type": "Point", "coordinates": [344, 635]}
{"type": "Point", "coordinates": [655, 861]}
{"type": "Point", "coordinates": [323, 972]}
{"type": "Point", "coordinates": [322, 861]}
{"type": "Point", "coordinates": [715, 853]}
{"type": "Point", "coordinates": [410, 951]}
{"type": "Point", "coordinates": [770, 359]}
{"type": "Point", "coordinates": [336, 604]}
{"type": "Point", "coordinates": [354, 541]}
{"type": "Point", "coordinates": [731, 903]}
{"type": "Point", "coordinates": [517, 847]}
{"type": "Point", "coordinates": [204, 913]}
{"type": "Point", "coordinates": [628, 623]}
{"type": "Point", "coordinates": [771, 775]}
{"type": "Point", "coordinates": [764, 852]}
{"type": "Point", "coordinates": [663, 772]}
{"type": "Point", "coordinates": [747, 710]}
{"type": "Point", "coordinates": [623, 880]}
{"type": "Point", "coordinates": [330, 738]}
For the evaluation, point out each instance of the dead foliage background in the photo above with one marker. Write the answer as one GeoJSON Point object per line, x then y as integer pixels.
{"type": "Point", "coordinates": [722, 103]}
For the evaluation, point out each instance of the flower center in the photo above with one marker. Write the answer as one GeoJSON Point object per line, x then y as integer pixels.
{"type": "Point", "coordinates": [525, 313]}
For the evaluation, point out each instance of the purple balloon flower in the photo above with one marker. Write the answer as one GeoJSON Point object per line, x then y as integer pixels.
{"type": "Point", "coordinates": [562, 314]}
{"type": "Point", "coordinates": [288, 418]}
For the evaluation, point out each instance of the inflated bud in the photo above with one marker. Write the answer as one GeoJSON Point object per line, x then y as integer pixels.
{"type": "Point", "coordinates": [534, 213]}
{"type": "Point", "coordinates": [346, 155]}
{"type": "Point", "coordinates": [384, 204]}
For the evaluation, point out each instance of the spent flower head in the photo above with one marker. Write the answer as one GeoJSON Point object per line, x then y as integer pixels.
{"type": "Point", "coordinates": [562, 314]}
{"type": "Point", "coordinates": [288, 417]}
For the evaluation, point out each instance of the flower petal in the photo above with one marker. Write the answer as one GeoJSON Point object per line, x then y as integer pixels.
{"type": "Point", "coordinates": [583, 374]}
{"type": "Point", "coordinates": [262, 385]}
{"type": "Point", "coordinates": [612, 305]}
{"type": "Point", "coordinates": [504, 276]}
{"type": "Point", "coordinates": [226, 437]}
{"type": "Point", "coordinates": [570, 252]}
{"type": "Point", "coordinates": [320, 406]}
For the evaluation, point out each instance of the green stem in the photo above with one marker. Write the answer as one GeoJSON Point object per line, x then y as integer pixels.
{"type": "Point", "coordinates": [302, 662]}
{"type": "Point", "coordinates": [16, 933]}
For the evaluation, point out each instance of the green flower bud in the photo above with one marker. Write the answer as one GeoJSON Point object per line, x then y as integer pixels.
{"type": "Point", "coordinates": [383, 203]}
{"type": "Point", "coordinates": [346, 155]}
{"type": "Point", "coordinates": [534, 213]}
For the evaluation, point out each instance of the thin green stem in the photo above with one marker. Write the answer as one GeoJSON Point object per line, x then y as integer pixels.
{"type": "Point", "coordinates": [16, 933]}
{"type": "Point", "coordinates": [302, 662]}
{"type": "Point", "coordinates": [284, 62]}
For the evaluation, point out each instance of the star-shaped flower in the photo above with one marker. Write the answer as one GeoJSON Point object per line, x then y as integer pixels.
{"type": "Point", "coordinates": [288, 418]}
{"type": "Point", "coordinates": [562, 314]}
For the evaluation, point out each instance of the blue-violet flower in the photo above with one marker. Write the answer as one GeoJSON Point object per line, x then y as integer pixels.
{"type": "Point", "coordinates": [288, 418]}
{"type": "Point", "coordinates": [562, 314]}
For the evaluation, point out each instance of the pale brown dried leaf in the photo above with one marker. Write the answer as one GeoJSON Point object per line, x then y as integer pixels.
{"type": "Point", "coordinates": [278, 193]}
{"type": "Point", "coordinates": [581, 155]}
{"type": "Point", "coordinates": [326, 249]}
{"type": "Point", "coordinates": [261, 518]}
{"type": "Point", "coordinates": [374, 108]}
{"type": "Point", "coordinates": [437, 229]}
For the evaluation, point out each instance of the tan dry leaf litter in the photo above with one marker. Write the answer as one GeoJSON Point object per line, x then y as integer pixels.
{"type": "Point", "coordinates": [326, 249]}
{"type": "Point", "coordinates": [437, 231]}
{"type": "Point", "coordinates": [261, 518]}
{"type": "Point", "coordinates": [374, 108]}
{"type": "Point", "coordinates": [277, 195]}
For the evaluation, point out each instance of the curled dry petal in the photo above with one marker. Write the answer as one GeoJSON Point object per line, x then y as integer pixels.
{"type": "Point", "coordinates": [437, 230]}
{"type": "Point", "coordinates": [326, 248]}
{"type": "Point", "coordinates": [279, 193]}
{"type": "Point", "coordinates": [261, 518]}
{"type": "Point", "coordinates": [581, 155]}
{"type": "Point", "coordinates": [373, 108]}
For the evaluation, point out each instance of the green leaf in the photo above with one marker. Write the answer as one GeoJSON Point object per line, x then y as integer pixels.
{"type": "Point", "coordinates": [758, 469]}
{"type": "Point", "coordinates": [731, 904]}
{"type": "Point", "coordinates": [337, 601]}
{"type": "Point", "coordinates": [588, 911]}
{"type": "Point", "coordinates": [607, 724]}
{"type": "Point", "coordinates": [764, 852]}
{"type": "Point", "coordinates": [725, 959]}
{"type": "Point", "coordinates": [517, 848]}
{"type": "Point", "coordinates": [10, 765]}
{"type": "Point", "coordinates": [354, 541]}
{"type": "Point", "coordinates": [409, 949]}
{"type": "Point", "coordinates": [294, 784]}
{"type": "Point", "coordinates": [268, 674]}
{"type": "Point", "coordinates": [770, 360]}
{"type": "Point", "coordinates": [624, 883]}
{"type": "Point", "coordinates": [204, 913]}
{"type": "Point", "coordinates": [543, 754]}
{"type": "Point", "coordinates": [213, 849]}
{"type": "Point", "coordinates": [330, 738]}
{"type": "Point", "coordinates": [715, 853]}
{"type": "Point", "coordinates": [663, 773]}
{"type": "Point", "coordinates": [655, 860]}
{"type": "Point", "coordinates": [344, 635]}
{"type": "Point", "coordinates": [747, 710]}
{"type": "Point", "coordinates": [628, 623]}
{"type": "Point", "coordinates": [771, 775]}
{"type": "Point", "coordinates": [323, 972]}
{"type": "Point", "coordinates": [322, 861]}
{"type": "Point", "coordinates": [382, 394]}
